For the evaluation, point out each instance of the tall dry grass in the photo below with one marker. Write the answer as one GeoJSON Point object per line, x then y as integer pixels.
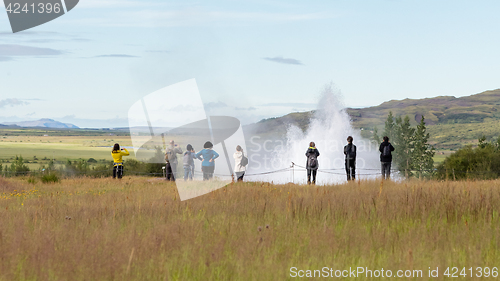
{"type": "Point", "coordinates": [137, 229]}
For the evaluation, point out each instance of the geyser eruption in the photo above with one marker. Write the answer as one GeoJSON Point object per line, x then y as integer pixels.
{"type": "Point", "coordinates": [329, 128]}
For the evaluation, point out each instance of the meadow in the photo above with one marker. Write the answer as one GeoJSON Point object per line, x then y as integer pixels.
{"type": "Point", "coordinates": [138, 229]}
{"type": "Point", "coordinates": [59, 147]}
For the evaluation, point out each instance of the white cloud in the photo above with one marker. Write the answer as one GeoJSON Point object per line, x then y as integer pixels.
{"type": "Point", "coordinates": [116, 56]}
{"type": "Point", "coordinates": [284, 60]}
{"type": "Point", "coordinates": [7, 50]}
{"type": "Point", "coordinates": [12, 102]}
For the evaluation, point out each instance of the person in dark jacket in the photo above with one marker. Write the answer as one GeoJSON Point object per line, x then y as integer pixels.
{"type": "Point", "coordinates": [312, 164]}
{"type": "Point", "coordinates": [350, 159]}
{"type": "Point", "coordinates": [386, 149]}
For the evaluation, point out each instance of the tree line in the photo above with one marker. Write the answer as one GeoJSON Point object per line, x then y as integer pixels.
{"type": "Point", "coordinates": [413, 155]}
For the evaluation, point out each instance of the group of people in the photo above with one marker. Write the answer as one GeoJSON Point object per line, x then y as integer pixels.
{"type": "Point", "coordinates": [385, 149]}
{"type": "Point", "coordinates": [207, 157]}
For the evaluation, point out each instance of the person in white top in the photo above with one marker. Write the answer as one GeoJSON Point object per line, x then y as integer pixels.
{"type": "Point", "coordinates": [239, 170]}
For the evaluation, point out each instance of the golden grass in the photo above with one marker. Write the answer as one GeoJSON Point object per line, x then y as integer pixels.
{"type": "Point", "coordinates": [138, 229]}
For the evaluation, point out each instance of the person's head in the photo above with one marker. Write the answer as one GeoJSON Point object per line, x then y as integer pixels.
{"type": "Point", "coordinates": [116, 147]}
{"type": "Point", "coordinates": [238, 148]}
{"type": "Point", "coordinates": [386, 138]}
{"type": "Point", "coordinates": [349, 139]}
{"type": "Point", "coordinates": [208, 144]}
{"type": "Point", "coordinates": [172, 142]}
{"type": "Point", "coordinates": [312, 144]}
{"type": "Point", "coordinates": [189, 147]}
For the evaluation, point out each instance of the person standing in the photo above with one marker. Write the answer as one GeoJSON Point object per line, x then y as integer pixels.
{"type": "Point", "coordinates": [386, 150]}
{"type": "Point", "coordinates": [350, 159]}
{"type": "Point", "coordinates": [207, 156]}
{"type": "Point", "coordinates": [117, 155]}
{"type": "Point", "coordinates": [312, 164]}
{"type": "Point", "coordinates": [239, 163]}
{"type": "Point", "coordinates": [171, 159]}
{"type": "Point", "coordinates": [188, 162]}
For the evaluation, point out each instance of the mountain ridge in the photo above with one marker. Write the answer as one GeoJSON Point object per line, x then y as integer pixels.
{"type": "Point", "coordinates": [451, 121]}
{"type": "Point", "coordinates": [44, 123]}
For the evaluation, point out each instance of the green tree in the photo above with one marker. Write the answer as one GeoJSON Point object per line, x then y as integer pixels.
{"type": "Point", "coordinates": [389, 126]}
{"type": "Point", "coordinates": [482, 142]}
{"type": "Point", "coordinates": [403, 141]}
{"type": "Point", "coordinates": [18, 168]}
{"type": "Point", "coordinates": [423, 153]}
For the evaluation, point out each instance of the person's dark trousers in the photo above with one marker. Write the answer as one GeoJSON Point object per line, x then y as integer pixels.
{"type": "Point", "coordinates": [386, 170]}
{"type": "Point", "coordinates": [239, 175]}
{"type": "Point", "coordinates": [118, 171]}
{"type": "Point", "coordinates": [350, 169]}
{"type": "Point", "coordinates": [313, 172]}
{"type": "Point", "coordinates": [208, 172]}
{"type": "Point", "coordinates": [169, 172]}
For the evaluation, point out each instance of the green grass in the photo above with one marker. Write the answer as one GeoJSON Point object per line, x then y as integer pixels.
{"type": "Point", "coordinates": [59, 147]}
{"type": "Point", "coordinates": [455, 136]}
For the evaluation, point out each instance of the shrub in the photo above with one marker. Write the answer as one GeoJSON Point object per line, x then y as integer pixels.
{"type": "Point", "coordinates": [50, 178]}
{"type": "Point", "coordinates": [481, 162]}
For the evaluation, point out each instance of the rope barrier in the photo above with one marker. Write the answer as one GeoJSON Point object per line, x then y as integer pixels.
{"type": "Point", "coordinates": [292, 168]}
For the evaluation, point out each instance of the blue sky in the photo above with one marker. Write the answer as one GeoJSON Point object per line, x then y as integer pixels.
{"type": "Point", "coordinates": [251, 59]}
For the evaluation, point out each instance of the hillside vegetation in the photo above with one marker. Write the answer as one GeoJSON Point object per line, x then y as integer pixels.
{"type": "Point", "coordinates": [439, 110]}
{"type": "Point", "coordinates": [452, 122]}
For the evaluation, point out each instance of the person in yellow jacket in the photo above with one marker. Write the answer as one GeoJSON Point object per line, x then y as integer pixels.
{"type": "Point", "coordinates": [117, 154]}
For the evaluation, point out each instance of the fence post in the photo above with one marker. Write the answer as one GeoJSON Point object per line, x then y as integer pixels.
{"type": "Point", "coordinates": [453, 170]}
{"type": "Point", "coordinates": [293, 172]}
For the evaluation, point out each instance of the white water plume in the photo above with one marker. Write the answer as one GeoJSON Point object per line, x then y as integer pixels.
{"type": "Point", "coordinates": [329, 128]}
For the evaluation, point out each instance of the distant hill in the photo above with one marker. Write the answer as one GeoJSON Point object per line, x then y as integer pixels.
{"type": "Point", "coordinates": [452, 122]}
{"type": "Point", "coordinates": [439, 110]}
{"type": "Point", "coordinates": [45, 123]}
{"type": "Point", "coordinates": [2, 126]}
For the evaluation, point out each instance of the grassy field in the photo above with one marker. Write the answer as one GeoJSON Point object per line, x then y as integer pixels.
{"type": "Point", "coordinates": [455, 136]}
{"type": "Point", "coordinates": [59, 147]}
{"type": "Point", "coordinates": [137, 229]}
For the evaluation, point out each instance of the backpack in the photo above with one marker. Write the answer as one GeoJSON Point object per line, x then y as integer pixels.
{"type": "Point", "coordinates": [244, 160]}
{"type": "Point", "coordinates": [313, 162]}
{"type": "Point", "coordinates": [387, 150]}
{"type": "Point", "coordinates": [351, 152]}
